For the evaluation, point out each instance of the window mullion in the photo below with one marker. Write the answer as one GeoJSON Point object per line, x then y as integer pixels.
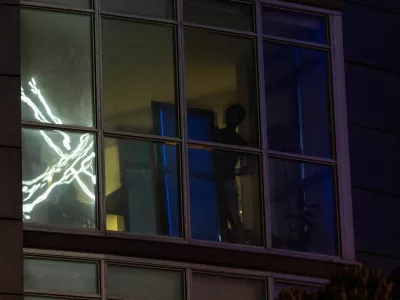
{"type": "Point", "coordinates": [101, 213]}
{"type": "Point", "coordinates": [183, 122]}
{"type": "Point", "coordinates": [263, 127]}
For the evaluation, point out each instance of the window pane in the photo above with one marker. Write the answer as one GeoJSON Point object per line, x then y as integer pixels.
{"type": "Point", "coordinates": [142, 187]}
{"type": "Point", "coordinates": [294, 25]}
{"type": "Point", "coordinates": [149, 8]}
{"type": "Point", "coordinates": [225, 200]}
{"type": "Point", "coordinates": [144, 283]}
{"type": "Point", "coordinates": [139, 77]}
{"type": "Point", "coordinates": [56, 66]}
{"type": "Point", "coordinates": [217, 287]}
{"type": "Point", "coordinates": [303, 208]}
{"type": "Point", "coordinates": [219, 13]}
{"type": "Point", "coordinates": [221, 88]}
{"type": "Point", "coordinates": [297, 96]}
{"type": "Point", "coordinates": [62, 276]}
{"type": "Point", "coordinates": [75, 3]}
{"type": "Point", "coordinates": [59, 178]}
{"type": "Point", "coordinates": [280, 285]}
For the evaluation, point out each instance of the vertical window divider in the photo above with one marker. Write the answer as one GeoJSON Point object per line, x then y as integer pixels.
{"type": "Point", "coordinates": [270, 288]}
{"type": "Point", "coordinates": [183, 123]}
{"type": "Point", "coordinates": [99, 118]}
{"type": "Point", "coordinates": [188, 283]}
{"type": "Point", "coordinates": [345, 209]}
{"type": "Point", "coordinates": [103, 279]}
{"type": "Point", "coordinates": [263, 128]}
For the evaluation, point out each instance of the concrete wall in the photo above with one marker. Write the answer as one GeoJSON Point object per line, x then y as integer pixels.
{"type": "Point", "coordinates": [372, 57]}
{"type": "Point", "coordinates": [11, 283]}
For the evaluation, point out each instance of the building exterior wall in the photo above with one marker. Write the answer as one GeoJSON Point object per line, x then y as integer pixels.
{"type": "Point", "coordinates": [11, 285]}
{"type": "Point", "coordinates": [12, 239]}
{"type": "Point", "coordinates": [372, 80]}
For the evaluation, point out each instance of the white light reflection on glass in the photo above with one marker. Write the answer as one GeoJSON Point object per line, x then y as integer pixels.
{"type": "Point", "coordinates": [73, 162]}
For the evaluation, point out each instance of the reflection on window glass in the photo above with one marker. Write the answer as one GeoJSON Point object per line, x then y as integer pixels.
{"type": "Point", "coordinates": [139, 77]}
{"type": "Point", "coordinates": [225, 14]}
{"type": "Point", "coordinates": [58, 178]}
{"type": "Point", "coordinates": [217, 287]}
{"type": "Point", "coordinates": [56, 68]}
{"type": "Point", "coordinates": [144, 283]}
{"type": "Point", "coordinates": [221, 88]}
{"type": "Point", "coordinates": [303, 208]}
{"type": "Point", "coordinates": [225, 203]}
{"type": "Point", "coordinates": [294, 25]}
{"type": "Point", "coordinates": [297, 100]}
{"type": "Point", "coordinates": [142, 187]}
{"type": "Point", "coordinates": [149, 8]}
{"type": "Point", "coordinates": [61, 276]}
{"type": "Point", "coordinates": [75, 3]}
{"type": "Point", "coordinates": [280, 285]}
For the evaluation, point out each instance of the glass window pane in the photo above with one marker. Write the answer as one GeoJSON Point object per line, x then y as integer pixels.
{"type": "Point", "coordinates": [74, 3]}
{"type": "Point", "coordinates": [59, 178]}
{"type": "Point", "coordinates": [142, 187]}
{"type": "Point", "coordinates": [280, 285]}
{"type": "Point", "coordinates": [294, 25]}
{"type": "Point", "coordinates": [62, 276]}
{"type": "Point", "coordinates": [139, 77]}
{"type": "Point", "coordinates": [297, 100]}
{"type": "Point", "coordinates": [144, 283]}
{"type": "Point", "coordinates": [303, 206]}
{"type": "Point", "coordinates": [217, 287]}
{"type": "Point", "coordinates": [225, 202]}
{"type": "Point", "coordinates": [219, 13]}
{"type": "Point", "coordinates": [221, 88]}
{"type": "Point", "coordinates": [149, 8]}
{"type": "Point", "coordinates": [56, 66]}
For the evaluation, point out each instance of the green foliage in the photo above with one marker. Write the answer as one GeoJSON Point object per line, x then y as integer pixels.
{"type": "Point", "coordinates": [354, 283]}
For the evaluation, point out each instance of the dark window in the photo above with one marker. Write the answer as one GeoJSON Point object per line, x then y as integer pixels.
{"type": "Point", "coordinates": [303, 208]}
{"type": "Point", "coordinates": [297, 100]}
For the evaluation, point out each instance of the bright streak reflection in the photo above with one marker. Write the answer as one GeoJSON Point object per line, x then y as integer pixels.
{"type": "Point", "coordinates": [74, 165]}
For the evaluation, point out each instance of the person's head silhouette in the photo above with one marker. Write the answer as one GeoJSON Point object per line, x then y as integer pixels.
{"type": "Point", "coordinates": [234, 115]}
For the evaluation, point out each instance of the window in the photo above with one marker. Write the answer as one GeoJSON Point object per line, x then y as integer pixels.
{"type": "Point", "coordinates": [213, 122]}
{"type": "Point", "coordinates": [47, 272]}
{"type": "Point", "coordinates": [214, 286]}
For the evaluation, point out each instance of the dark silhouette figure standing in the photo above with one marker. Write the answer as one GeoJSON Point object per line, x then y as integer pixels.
{"type": "Point", "coordinates": [225, 171]}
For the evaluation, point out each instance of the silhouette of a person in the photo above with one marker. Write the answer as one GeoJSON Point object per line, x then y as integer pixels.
{"type": "Point", "coordinates": [225, 174]}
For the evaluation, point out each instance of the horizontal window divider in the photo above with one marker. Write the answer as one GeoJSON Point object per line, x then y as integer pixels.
{"type": "Point", "coordinates": [61, 127]}
{"type": "Point", "coordinates": [114, 260]}
{"type": "Point", "coordinates": [220, 30]}
{"type": "Point", "coordinates": [231, 246]}
{"type": "Point", "coordinates": [218, 146]}
{"type": "Point", "coordinates": [63, 255]}
{"type": "Point", "coordinates": [308, 255]}
{"type": "Point", "coordinates": [120, 16]}
{"type": "Point", "coordinates": [294, 42]}
{"type": "Point", "coordinates": [302, 158]}
{"type": "Point", "coordinates": [140, 136]}
{"type": "Point", "coordinates": [305, 8]}
{"type": "Point", "coordinates": [59, 229]}
{"type": "Point", "coordinates": [299, 279]}
{"type": "Point", "coordinates": [158, 238]}
{"type": "Point", "coordinates": [62, 8]}
{"type": "Point", "coordinates": [62, 294]}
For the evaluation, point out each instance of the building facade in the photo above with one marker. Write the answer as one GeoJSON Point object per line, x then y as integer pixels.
{"type": "Point", "coordinates": [180, 149]}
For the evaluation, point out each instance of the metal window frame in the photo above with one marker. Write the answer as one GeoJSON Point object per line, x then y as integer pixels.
{"type": "Point", "coordinates": [341, 161]}
{"type": "Point", "coordinates": [187, 269]}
